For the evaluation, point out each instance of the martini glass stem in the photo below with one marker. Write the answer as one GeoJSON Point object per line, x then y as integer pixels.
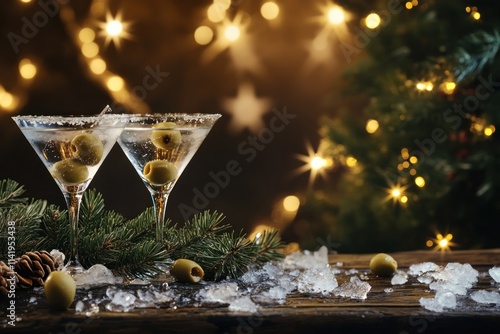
{"type": "Point", "coordinates": [73, 200]}
{"type": "Point", "coordinates": [160, 205]}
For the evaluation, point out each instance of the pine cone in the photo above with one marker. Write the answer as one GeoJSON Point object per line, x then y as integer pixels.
{"type": "Point", "coordinates": [33, 268]}
{"type": "Point", "coordinates": [5, 274]}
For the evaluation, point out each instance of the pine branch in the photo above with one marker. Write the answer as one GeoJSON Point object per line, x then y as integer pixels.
{"type": "Point", "coordinates": [475, 51]}
{"type": "Point", "coordinates": [9, 193]}
{"type": "Point", "coordinates": [203, 226]}
{"type": "Point", "coordinates": [129, 247]}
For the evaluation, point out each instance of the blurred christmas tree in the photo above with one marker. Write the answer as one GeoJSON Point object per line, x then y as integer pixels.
{"type": "Point", "coordinates": [423, 157]}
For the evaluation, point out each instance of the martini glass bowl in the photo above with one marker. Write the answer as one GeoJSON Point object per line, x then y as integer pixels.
{"type": "Point", "coordinates": [72, 148]}
{"type": "Point", "coordinates": [160, 146]}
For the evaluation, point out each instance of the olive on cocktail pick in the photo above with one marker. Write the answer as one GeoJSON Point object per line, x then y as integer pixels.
{"type": "Point", "coordinates": [70, 171]}
{"type": "Point", "coordinates": [87, 148]}
{"type": "Point", "coordinates": [159, 172]}
{"type": "Point", "coordinates": [166, 138]}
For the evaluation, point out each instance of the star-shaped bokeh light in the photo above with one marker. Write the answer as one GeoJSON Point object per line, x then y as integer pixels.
{"type": "Point", "coordinates": [246, 109]}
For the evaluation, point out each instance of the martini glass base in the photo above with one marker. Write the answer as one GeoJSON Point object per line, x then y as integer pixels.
{"type": "Point", "coordinates": [73, 268]}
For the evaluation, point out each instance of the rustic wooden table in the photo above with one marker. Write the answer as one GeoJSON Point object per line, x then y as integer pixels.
{"type": "Point", "coordinates": [382, 312]}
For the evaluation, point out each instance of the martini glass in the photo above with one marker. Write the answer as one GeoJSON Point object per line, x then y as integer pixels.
{"type": "Point", "coordinates": [160, 146]}
{"type": "Point", "coordinates": [72, 148]}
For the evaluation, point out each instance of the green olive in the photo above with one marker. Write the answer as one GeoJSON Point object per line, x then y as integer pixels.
{"type": "Point", "coordinates": [87, 148]}
{"type": "Point", "coordinates": [383, 265]}
{"type": "Point", "coordinates": [160, 172]}
{"type": "Point", "coordinates": [186, 271]}
{"type": "Point", "coordinates": [60, 290]}
{"type": "Point", "coordinates": [166, 139]}
{"type": "Point", "coordinates": [70, 171]}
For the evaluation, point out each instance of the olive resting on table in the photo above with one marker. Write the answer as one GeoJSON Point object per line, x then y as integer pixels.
{"type": "Point", "coordinates": [383, 265]}
{"type": "Point", "coordinates": [186, 271]}
{"type": "Point", "coordinates": [167, 138]}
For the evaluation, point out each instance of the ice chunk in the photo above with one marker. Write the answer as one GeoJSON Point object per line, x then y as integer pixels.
{"type": "Point", "coordinates": [486, 297]}
{"type": "Point", "coordinates": [121, 301]}
{"type": "Point", "coordinates": [421, 268]}
{"type": "Point", "coordinates": [388, 290]}
{"type": "Point", "coordinates": [399, 278]}
{"type": "Point", "coordinates": [425, 279]}
{"type": "Point", "coordinates": [224, 293]}
{"type": "Point", "coordinates": [243, 304]}
{"type": "Point", "coordinates": [455, 277]}
{"type": "Point", "coordinates": [354, 289]}
{"type": "Point", "coordinates": [276, 294]}
{"type": "Point", "coordinates": [317, 280]}
{"type": "Point", "coordinates": [442, 300]}
{"type": "Point", "coordinates": [495, 273]}
{"type": "Point", "coordinates": [96, 275]}
{"type": "Point", "coordinates": [79, 306]}
{"type": "Point", "coordinates": [352, 271]}
{"type": "Point", "coordinates": [58, 257]}
{"type": "Point", "coordinates": [307, 259]}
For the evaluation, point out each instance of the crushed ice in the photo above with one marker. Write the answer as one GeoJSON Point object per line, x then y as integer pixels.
{"type": "Point", "coordinates": [271, 284]}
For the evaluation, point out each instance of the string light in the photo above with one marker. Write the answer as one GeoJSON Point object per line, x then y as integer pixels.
{"type": "Point", "coordinates": [413, 159]}
{"type": "Point", "coordinates": [488, 131]}
{"type": "Point", "coordinates": [473, 12]}
{"type": "Point", "coordinates": [336, 15]}
{"type": "Point", "coordinates": [314, 162]}
{"type": "Point", "coordinates": [372, 21]}
{"type": "Point", "coordinates": [351, 162]}
{"type": "Point", "coordinates": [114, 29]}
{"type": "Point", "coordinates": [440, 242]}
{"type": "Point", "coordinates": [224, 4]}
{"type": "Point", "coordinates": [232, 32]}
{"type": "Point", "coordinates": [269, 10]}
{"type": "Point", "coordinates": [448, 87]}
{"type": "Point", "coordinates": [404, 153]}
{"type": "Point", "coordinates": [372, 126]}
{"type": "Point", "coordinates": [424, 85]}
{"type": "Point", "coordinates": [396, 192]}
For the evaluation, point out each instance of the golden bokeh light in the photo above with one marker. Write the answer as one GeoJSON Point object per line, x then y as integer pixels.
{"type": "Point", "coordinates": [489, 130]}
{"type": "Point", "coordinates": [232, 32]}
{"type": "Point", "coordinates": [351, 162]}
{"type": "Point", "coordinates": [269, 10]}
{"type": "Point", "coordinates": [216, 13]}
{"type": "Point", "coordinates": [203, 35]}
{"type": "Point", "coordinates": [86, 35]}
{"type": "Point", "coordinates": [291, 203]}
{"type": "Point", "coordinates": [372, 126]}
{"type": "Point", "coordinates": [90, 50]}
{"type": "Point", "coordinates": [420, 181]}
{"type": "Point", "coordinates": [224, 4]}
{"type": "Point", "coordinates": [115, 83]}
{"type": "Point", "coordinates": [404, 199]}
{"type": "Point", "coordinates": [98, 66]}
{"type": "Point", "coordinates": [114, 28]}
{"type": "Point", "coordinates": [336, 15]}
{"type": "Point", "coordinates": [372, 21]}
{"type": "Point", "coordinates": [448, 87]}
{"type": "Point", "coordinates": [27, 69]}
